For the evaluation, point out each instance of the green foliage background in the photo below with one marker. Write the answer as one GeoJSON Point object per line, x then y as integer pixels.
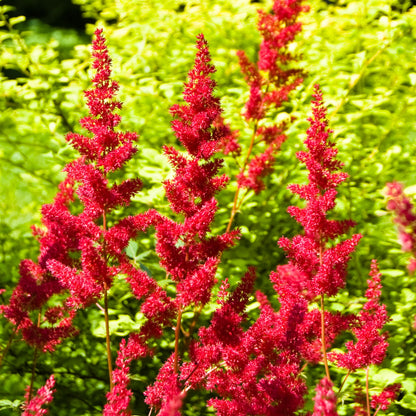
{"type": "Point", "coordinates": [362, 53]}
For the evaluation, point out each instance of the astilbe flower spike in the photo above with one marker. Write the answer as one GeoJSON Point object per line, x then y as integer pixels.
{"type": "Point", "coordinates": [34, 406]}
{"type": "Point", "coordinates": [317, 267]}
{"type": "Point", "coordinates": [371, 345]}
{"type": "Point", "coordinates": [107, 150]}
{"type": "Point", "coordinates": [324, 266]}
{"type": "Point", "coordinates": [251, 370]}
{"type": "Point", "coordinates": [80, 253]}
{"type": "Point", "coordinates": [383, 400]}
{"type": "Point", "coordinates": [270, 80]}
{"type": "Point", "coordinates": [187, 252]}
{"type": "Point", "coordinates": [325, 399]}
{"type": "Point", "coordinates": [405, 219]}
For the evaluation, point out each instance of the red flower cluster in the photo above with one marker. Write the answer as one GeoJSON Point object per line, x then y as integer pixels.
{"type": "Point", "coordinates": [371, 346]}
{"type": "Point", "coordinates": [270, 80]}
{"type": "Point", "coordinates": [405, 219]}
{"type": "Point", "coordinates": [324, 267]}
{"type": "Point", "coordinates": [187, 252]}
{"type": "Point", "coordinates": [325, 399]}
{"type": "Point", "coordinates": [386, 397]}
{"type": "Point", "coordinates": [91, 275]}
{"type": "Point", "coordinates": [252, 371]}
{"type": "Point", "coordinates": [44, 395]}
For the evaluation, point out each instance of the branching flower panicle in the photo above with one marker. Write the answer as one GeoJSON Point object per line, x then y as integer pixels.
{"type": "Point", "coordinates": [34, 406]}
{"type": "Point", "coordinates": [270, 79]}
{"type": "Point", "coordinates": [371, 345]}
{"type": "Point", "coordinates": [187, 252]}
{"type": "Point", "coordinates": [323, 265]}
{"type": "Point", "coordinates": [405, 219]}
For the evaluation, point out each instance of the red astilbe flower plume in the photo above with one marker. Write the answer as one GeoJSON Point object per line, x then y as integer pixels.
{"type": "Point", "coordinates": [383, 400]}
{"type": "Point", "coordinates": [253, 371]}
{"type": "Point", "coordinates": [74, 254]}
{"type": "Point", "coordinates": [323, 265]}
{"type": "Point", "coordinates": [405, 219]}
{"type": "Point", "coordinates": [325, 399]}
{"type": "Point", "coordinates": [107, 150]}
{"type": "Point", "coordinates": [187, 252]}
{"type": "Point", "coordinates": [371, 345]}
{"type": "Point", "coordinates": [270, 79]}
{"type": "Point", "coordinates": [37, 286]}
{"type": "Point", "coordinates": [44, 396]}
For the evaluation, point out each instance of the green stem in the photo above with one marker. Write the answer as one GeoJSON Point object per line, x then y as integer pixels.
{"type": "Point", "coordinates": [367, 393]}
{"type": "Point", "coordinates": [236, 205]}
{"type": "Point", "coordinates": [106, 317]}
{"type": "Point", "coordinates": [7, 347]}
{"type": "Point", "coordinates": [32, 378]}
{"type": "Point", "coordinates": [343, 382]}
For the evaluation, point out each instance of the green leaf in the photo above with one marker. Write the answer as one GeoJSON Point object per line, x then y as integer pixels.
{"type": "Point", "coordinates": [409, 401]}
{"type": "Point", "coordinates": [16, 20]}
{"type": "Point", "coordinates": [386, 376]}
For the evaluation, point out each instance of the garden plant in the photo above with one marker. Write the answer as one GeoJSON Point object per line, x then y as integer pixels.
{"type": "Point", "coordinates": [238, 254]}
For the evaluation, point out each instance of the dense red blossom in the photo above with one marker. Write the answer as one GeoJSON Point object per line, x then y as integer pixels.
{"type": "Point", "coordinates": [270, 79]}
{"type": "Point", "coordinates": [74, 257]}
{"type": "Point", "coordinates": [186, 250]}
{"type": "Point", "coordinates": [107, 150]}
{"type": "Point", "coordinates": [259, 166]}
{"type": "Point", "coordinates": [43, 397]}
{"type": "Point", "coordinates": [166, 391]}
{"type": "Point", "coordinates": [405, 219]}
{"type": "Point", "coordinates": [386, 397]}
{"type": "Point", "coordinates": [325, 399]}
{"type": "Point", "coordinates": [120, 395]}
{"type": "Point", "coordinates": [371, 345]}
{"type": "Point", "coordinates": [324, 266]}
{"type": "Point", "coordinates": [252, 371]}
{"type": "Point", "coordinates": [36, 286]}
{"type": "Point", "coordinates": [228, 143]}
{"type": "Point", "coordinates": [278, 30]}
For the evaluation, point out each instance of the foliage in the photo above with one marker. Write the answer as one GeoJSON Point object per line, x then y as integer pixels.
{"type": "Point", "coordinates": [362, 55]}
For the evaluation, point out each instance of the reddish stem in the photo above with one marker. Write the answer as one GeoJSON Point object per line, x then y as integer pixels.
{"type": "Point", "coordinates": [177, 332]}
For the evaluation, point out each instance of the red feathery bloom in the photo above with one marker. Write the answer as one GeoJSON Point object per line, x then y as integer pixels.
{"type": "Point", "coordinates": [371, 346]}
{"type": "Point", "coordinates": [36, 286]}
{"type": "Point", "coordinates": [325, 267]}
{"type": "Point", "coordinates": [74, 252]}
{"type": "Point", "coordinates": [186, 251]}
{"type": "Point", "coordinates": [325, 399]}
{"type": "Point", "coordinates": [386, 397]}
{"type": "Point", "coordinates": [259, 167]}
{"type": "Point", "coordinates": [108, 150]}
{"type": "Point", "coordinates": [405, 219]}
{"type": "Point", "coordinates": [120, 395]}
{"type": "Point", "coordinates": [166, 391]}
{"type": "Point", "coordinates": [252, 371]}
{"type": "Point", "coordinates": [228, 138]}
{"type": "Point", "coordinates": [270, 80]}
{"type": "Point", "coordinates": [43, 397]}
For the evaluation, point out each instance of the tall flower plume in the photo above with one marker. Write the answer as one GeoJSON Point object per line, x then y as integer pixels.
{"type": "Point", "coordinates": [187, 252]}
{"type": "Point", "coordinates": [270, 80]}
{"type": "Point", "coordinates": [106, 151]}
{"type": "Point", "coordinates": [405, 219]}
{"type": "Point", "coordinates": [324, 266]}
